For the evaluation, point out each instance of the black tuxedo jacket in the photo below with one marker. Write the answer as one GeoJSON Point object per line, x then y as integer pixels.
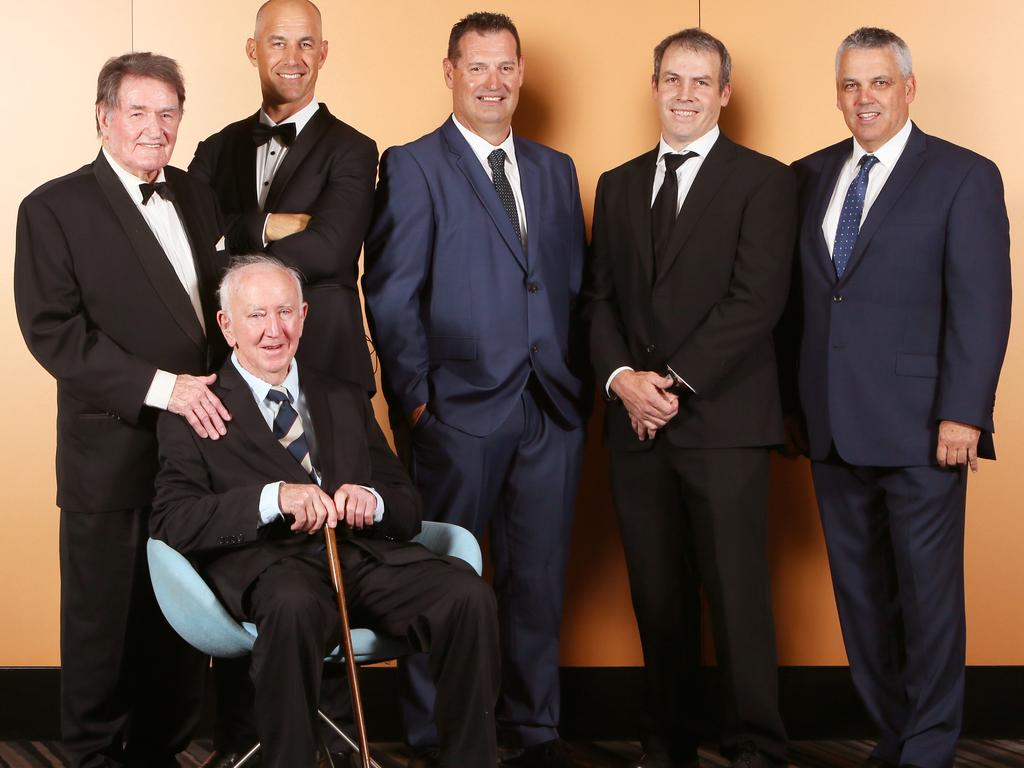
{"type": "Point", "coordinates": [101, 309]}
{"type": "Point", "coordinates": [208, 491]}
{"type": "Point", "coordinates": [328, 173]}
{"type": "Point", "coordinates": [709, 308]}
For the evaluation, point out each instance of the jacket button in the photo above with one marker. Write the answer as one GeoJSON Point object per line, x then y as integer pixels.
{"type": "Point", "coordinates": [837, 299]}
{"type": "Point", "coordinates": [533, 287]}
{"type": "Point", "coordinates": [649, 348]}
{"type": "Point", "coordinates": [535, 348]}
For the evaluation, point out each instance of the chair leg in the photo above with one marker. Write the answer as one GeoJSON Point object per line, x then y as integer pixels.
{"type": "Point", "coordinates": [247, 755]}
{"type": "Point", "coordinates": [345, 736]}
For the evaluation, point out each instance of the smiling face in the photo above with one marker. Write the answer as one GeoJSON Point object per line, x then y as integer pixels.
{"type": "Point", "coordinates": [689, 95]}
{"type": "Point", "coordinates": [873, 95]}
{"type": "Point", "coordinates": [264, 321]}
{"type": "Point", "coordinates": [485, 80]}
{"type": "Point", "coordinates": [288, 50]}
{"type": "Point", "coordinates": [140, 131]}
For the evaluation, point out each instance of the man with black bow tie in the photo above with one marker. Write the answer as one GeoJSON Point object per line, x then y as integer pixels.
{"type": "Point", "coordinates": [114, 274]}
{"type": "Point", "coordinates": [296, 183]}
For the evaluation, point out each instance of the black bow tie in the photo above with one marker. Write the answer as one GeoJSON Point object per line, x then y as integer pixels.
{"type": "Point", "coordinates": [261, 133]}
{"type": "Point", "coordinates": [160, 187]}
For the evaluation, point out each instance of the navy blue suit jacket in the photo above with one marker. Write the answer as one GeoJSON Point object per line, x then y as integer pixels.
{"type": "Point", "coordinates": [460, 311]}
{"type": "Point", "coordinates": [916, 329]}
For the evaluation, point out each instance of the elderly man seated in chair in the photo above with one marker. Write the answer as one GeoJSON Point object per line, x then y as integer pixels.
{"type": "Point", "coordinates": [304, 451]}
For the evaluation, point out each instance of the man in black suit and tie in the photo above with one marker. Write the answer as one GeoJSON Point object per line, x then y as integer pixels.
{"type": "Point", "coordinates": [692, 246]}
{"type": "Point", "coordinates": [903, 288]}
{"type": "Point", "coordinates": [305, 451]}
{"type": "Point", "coordinates": [295, 182]}
{"type": "Point", "coordinates": [114, 276]}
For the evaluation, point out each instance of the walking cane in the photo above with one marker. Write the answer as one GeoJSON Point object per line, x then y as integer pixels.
{"type": "Point", "coordinates": [346, 640]}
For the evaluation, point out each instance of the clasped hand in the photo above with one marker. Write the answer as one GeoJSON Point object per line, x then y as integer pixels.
{"type": "Point", "coordinates": [647, 400]}
{"type": "Point", "coordinates": [311, 508]}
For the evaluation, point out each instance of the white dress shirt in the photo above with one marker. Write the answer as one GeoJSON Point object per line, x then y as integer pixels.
{"type": "Point", "coordinates": [685, 174]}
{"type": "Point", "coordinates": [482, 148]}
{"type": "Point", "coordinates": [163, 220]}
{"type": "Point", "coordinates": [270, 509]}
{"type": "Point", "coordinates": [888, 154]}
{"type": "Point", "coordinates": [270, 155]}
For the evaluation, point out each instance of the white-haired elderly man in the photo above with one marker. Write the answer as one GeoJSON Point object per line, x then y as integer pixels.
{"type": "Point", "coordinates": [304, 451]}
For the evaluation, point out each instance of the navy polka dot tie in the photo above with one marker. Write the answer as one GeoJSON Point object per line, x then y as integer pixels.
{"type": "Point", "coordinates": [849, 217]}
{"type": "Point", "coordinates": [497, 162]}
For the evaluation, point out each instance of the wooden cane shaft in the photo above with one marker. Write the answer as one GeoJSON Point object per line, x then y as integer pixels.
{"type": "Point", "coordinates": [346, 642]}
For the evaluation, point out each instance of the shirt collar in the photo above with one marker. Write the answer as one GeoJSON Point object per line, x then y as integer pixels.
{"type": "Point", "coordinates": [300, 118]}
{"type": "Point", "coordinates": [482, 147]}
{"type": "Point", "coordinates": [130, 181]}
{"type": "Point", "coordinates": [889, 152]}
{"type": "Point", "coordinates": [701, 146]}
{"type": "Point", "coordinates": [259, 387]}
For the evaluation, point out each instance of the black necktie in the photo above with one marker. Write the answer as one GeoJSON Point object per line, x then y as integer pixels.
{"type": "Point", "coordinates": [664, 212]}
{"type": "Point", "coordinates": [160, 187]}
{"type": "Point", "coordinates": [508, 200]}
{"type": "Point", "coordinates": [261, 133]}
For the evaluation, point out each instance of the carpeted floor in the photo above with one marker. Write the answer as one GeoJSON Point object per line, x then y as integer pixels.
{"type": "Point", "coordinates": [602, 754]}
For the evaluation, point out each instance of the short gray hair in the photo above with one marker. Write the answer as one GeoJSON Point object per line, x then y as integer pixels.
{"type": "Point", "coordinates": [229, 283]}
{"type": "Point", "coordinates": [697, 40]}
{"type": "Point", "coordinates": [136, 64]}
{"type": "Point", "coordinates": [876, 37]}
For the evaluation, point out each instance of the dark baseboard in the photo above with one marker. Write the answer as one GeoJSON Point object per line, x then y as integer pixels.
{"type": "Point", "coordinates": [598, 703]}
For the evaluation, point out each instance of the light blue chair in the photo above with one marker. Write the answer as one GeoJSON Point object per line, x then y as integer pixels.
{"type": "Point", "coordinates": [197, 615]}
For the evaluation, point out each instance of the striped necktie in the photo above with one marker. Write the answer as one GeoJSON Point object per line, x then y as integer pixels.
{"type": "Point", "coordinates": [288, 429]}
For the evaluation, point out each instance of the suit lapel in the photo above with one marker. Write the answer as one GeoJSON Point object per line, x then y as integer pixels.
{"type": "Point", "coordinates": [484, 188]}
{"type": "Point", "coordinates": [712, 174]}
{"type": "Point", "coordinates": [247, 419]}
{"type": "Point", "coordinates": [822, 196]}
{"type": "Point", "coordinates": [323, 422]}
{"type": "Point", "coordinates": [638, 196]}
{"type": "Point", "coordinates": [202, 252]}
{"type": "Point", "coordinates": [152, 257]}
{"type": "Point", "coordinates": [297, 152]}
{"type": "Point", "coordinates": [906, 168]}
{"type": "Point", "coordinates": [243, 161]}
{"type": "Point", "coordinates": [530, 179]}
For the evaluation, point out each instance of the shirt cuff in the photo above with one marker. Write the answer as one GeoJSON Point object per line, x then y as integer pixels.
{"type": "Point", "coordinates": [270, 510]}
{"type": "Point", "coordinates": [160, 389]}
{"type": "Point", "coordinates": [378, 513]}
{"type": "Point", "coordinates": [608, 384]}
{"type": "Point", "coordinates": [264, 235]}
{"type": "Point", "coordinates": [679, 379]}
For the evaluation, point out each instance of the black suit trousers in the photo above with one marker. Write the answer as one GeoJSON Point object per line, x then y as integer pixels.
{"type": "Point", "coordinates": [130, 687]}
{"type": "Point", "coordinates": [693, 517]}
{"type": "Point", "coordinates": [438, 605]}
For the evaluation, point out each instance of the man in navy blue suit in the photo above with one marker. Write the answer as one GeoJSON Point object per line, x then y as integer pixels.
{"type": "Point", "coordinates": [473, 268]}
{"type": "Point", "coordinates": [904, 291]}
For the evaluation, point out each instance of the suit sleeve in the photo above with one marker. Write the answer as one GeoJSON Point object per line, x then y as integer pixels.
{"type": "Point", "coordinates": [187, 513]}
{"type": "Point", "coordinates": [748, 312]}
{"type": "Point", "coordinates": [977, 298]}
{"type": "Point", "coordinates": [89, 365]}
{"type": "Point", "coordinates": [608, 346]}
{"type": "Point", "coordinates": [399, 252]}
{"type": "Point", "coordinates": [329, 245]}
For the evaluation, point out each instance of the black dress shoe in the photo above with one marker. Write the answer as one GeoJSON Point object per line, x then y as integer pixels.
{"type": "Point", "coordinates": [427, 757]}
{"type": "Point", "coordinates": [218, 759]}
{"type": "Point", "coordinates": [662, 760]}
{"type": "Point", "coordinates": [548, 754]}
{"type": "Point", "coordinates": [750, 758]}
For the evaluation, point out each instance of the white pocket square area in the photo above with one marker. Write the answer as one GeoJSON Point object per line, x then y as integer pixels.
{"type": "Point", "coordinates": [221, 245]}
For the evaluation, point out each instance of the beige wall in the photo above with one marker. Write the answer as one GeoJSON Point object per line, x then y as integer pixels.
{"type": "Point", "coordinates": [586, 93]}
